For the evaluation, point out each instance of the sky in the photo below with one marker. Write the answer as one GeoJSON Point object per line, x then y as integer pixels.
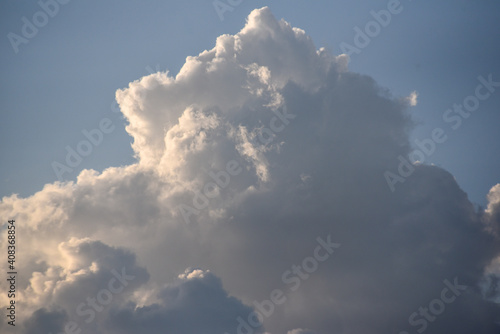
{"type": "Point", "coordinates": [252, 167]}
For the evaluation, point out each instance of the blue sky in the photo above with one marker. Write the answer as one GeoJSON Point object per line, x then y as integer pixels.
{"type": "Point", "coordinates": [65, 78]}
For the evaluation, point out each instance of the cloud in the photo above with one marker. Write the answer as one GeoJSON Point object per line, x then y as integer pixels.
{"type": "Point", "coordinates": [412, 99]}
{"type": "Point", "coordinates": [89, 276]}
{"type": "Point", "coordinates": [492, 214]}
{"type": "Point", "coordinates": [196, 303]}
{"type": "Point", "coordinates": [310, 141]}
{"type": "Point", "coordinates": [301, 331]}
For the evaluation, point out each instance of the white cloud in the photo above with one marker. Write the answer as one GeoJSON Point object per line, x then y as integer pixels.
{"type": "Point", "coordinates": [412, 99]}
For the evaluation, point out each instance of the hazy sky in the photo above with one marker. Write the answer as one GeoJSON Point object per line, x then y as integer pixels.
{"type": "Point", "coordinates": [187, 164]}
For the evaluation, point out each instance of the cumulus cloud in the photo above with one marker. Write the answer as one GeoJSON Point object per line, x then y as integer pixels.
{"type": "Point", "coordinates": [251, 152]}
{"type": "Point", "coordinates": [197, 303]}
{"type": "Point", "coordinates": [87, 278]}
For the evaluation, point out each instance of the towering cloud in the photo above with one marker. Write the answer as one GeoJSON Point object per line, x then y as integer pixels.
{"type": "Point", "coordinates": [261, 164]}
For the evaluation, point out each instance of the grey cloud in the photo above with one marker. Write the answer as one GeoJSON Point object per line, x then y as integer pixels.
{"type": "Point", "coordinates": [197, 303]}
{"type": "Point", "coordinates": [46, 321]}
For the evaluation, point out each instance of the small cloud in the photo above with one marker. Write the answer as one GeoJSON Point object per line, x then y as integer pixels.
{"type": "Point", "coordinates": [192, 274]}
{"type": "Point", "coordinates": [412, 99]}
{"type": "Point", "coordinates": [301, 331]}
